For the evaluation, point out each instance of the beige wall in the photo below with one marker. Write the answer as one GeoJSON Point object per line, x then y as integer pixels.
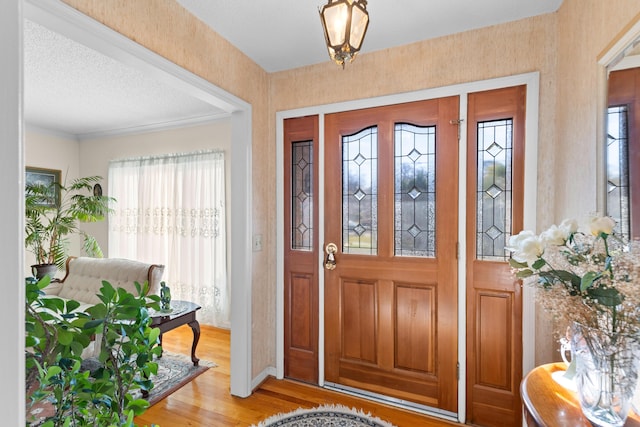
{"type": "Point", "coordinates": [585, 30]}
{"type": "Point", "coordinates": [562, 46]}
{"type": "Point", "coordinates": [52, 151]}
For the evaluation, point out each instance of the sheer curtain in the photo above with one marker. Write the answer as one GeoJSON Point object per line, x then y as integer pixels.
{"type": "Point", "coordinates": [171, 210]}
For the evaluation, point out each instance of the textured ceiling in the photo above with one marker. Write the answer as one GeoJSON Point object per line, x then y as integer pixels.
{"type": "Point", "coordinates": [71, 89]}
{"type": "Point", "coordinates": [75, 90]}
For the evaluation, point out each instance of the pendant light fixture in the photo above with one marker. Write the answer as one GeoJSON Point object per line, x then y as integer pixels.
{"type": "Point", "coordinates": [345, 24]}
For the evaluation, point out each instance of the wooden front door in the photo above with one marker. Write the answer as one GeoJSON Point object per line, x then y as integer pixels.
{"type": "Point", "coordinates": [391, 209]}
{"type": "Point", "coordinates": [495, 196]}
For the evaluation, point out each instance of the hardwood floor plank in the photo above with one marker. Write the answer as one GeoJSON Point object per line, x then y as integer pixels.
{"type": "Point", "coordinates": [206, 401]}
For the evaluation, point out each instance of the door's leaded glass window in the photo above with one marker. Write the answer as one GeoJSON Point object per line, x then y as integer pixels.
{"type": "Point", "coordinates": [494, 187]}
{"type": "Point", "coordinates": [618, 168]}
{"type": "Point", "coordinates": [415, 190]}
{"type": "Point", "coordinates": [360, 192]}
{"type": "Point", "coordinates": [302, 195]}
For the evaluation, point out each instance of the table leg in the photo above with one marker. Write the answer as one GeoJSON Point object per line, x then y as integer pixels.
{"type": "Point", "coordinates": [195, 327]}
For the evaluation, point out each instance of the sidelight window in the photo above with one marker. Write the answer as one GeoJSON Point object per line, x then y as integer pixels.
{"type": "Point", "coordinates": [302, 195]}
{"type": "Point", "coordinates": [494, 189]}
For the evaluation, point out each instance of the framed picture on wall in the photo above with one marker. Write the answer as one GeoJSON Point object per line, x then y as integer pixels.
{"type": "Point", "coordinates": [47, 178]}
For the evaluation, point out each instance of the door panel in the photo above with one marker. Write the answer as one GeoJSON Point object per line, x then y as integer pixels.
{"type": "Point", "coordinates": [495, 188]}
{"type": "Point", "coordinates": [391, 208]}
{"type": "Point", "coordinates": [416, 323]}
{"type": "Point", "coordinates": [494, 324]}
{"type": "Point", "coordinates": [300, 250]}
{"type": "Point", "coordinates": [358, 340]}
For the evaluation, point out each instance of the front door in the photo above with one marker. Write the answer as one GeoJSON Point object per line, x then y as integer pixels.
{"type": "Point", "coordinates": [391, 209]}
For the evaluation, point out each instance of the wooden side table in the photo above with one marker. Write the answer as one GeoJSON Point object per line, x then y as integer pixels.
{"type": "Point", "coordinates": [184, 313]}
{"type": "Point", "coordinates": [548, 404]}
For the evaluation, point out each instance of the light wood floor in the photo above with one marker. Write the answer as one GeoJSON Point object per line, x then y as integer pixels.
{"type": "Point", "coordinates": [206, 400]}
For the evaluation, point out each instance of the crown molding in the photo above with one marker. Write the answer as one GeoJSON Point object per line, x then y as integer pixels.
{"type": "Point", "coordinates": [154, 127]}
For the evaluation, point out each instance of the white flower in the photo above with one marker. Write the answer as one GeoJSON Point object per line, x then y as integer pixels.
{"type": "Point", "coordinates": [600, 224]}
{"type": "Point", "coordinates": [554, 235]}
{"type": "Point", "coordinates": [569, 226]}
{"type": "Point", "coordinates": [526, 247]}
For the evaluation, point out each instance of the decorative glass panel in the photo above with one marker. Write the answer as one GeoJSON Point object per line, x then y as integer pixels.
{"type": "Point", "coordinates": [494, 187]}
{"type": "Point", "coordinates": [360, 192]}
{"type": "Point", "coordinates": [415, 190]}
{"type": "Point", "coordinates": [302, 195]}
{"type": "Point", "coordinates": [618, 169]}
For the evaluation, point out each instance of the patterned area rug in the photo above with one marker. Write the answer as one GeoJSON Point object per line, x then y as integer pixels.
{"type": "Point", "coordinates": [324, 416]}
{"type": "Point", "coordinates": [174, 371]}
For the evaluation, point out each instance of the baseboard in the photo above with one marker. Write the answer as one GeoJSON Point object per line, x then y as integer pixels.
{"type": "Point", "coordinates": [262, 376]}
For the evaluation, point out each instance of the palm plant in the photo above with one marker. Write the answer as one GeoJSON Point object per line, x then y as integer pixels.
{"type": "Point", "coordinates": [55, 211]}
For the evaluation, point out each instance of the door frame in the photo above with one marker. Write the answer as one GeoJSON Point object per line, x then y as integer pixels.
{"type": "Point", "coordinates": [531, 81]}
{"type": "Point", "coordinates": [75, 25]}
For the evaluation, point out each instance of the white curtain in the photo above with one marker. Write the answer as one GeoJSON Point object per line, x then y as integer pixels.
{"type": "Point", "coordinates": [171, 210]}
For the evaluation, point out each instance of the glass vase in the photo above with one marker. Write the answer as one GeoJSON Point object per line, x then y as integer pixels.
{"type": "Point", "coordinates": [606, 373]}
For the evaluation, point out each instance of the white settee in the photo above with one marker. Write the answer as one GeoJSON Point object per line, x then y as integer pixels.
{"type": "Point", "coordinates": [84, 276]}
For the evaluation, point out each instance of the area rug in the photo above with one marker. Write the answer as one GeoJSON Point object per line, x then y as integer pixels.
{"type": "Point", "coordinates": [174, 371]}
{"type": "Point", "coordinates": [324, 416]}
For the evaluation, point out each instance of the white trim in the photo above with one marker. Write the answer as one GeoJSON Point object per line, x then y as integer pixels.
{"type": "Point", "coordinates": [73, 24]}
{"type": "Point", "coordinates": [241, 253]}
{"type": "Point", "coordinates": [529, 215]}
{"type": "Point", "coordinates": [531, 80]}
{"type": "Point", "coordinates": [156, 127]}
{"type": "Point", "coordinates": [150, 127]}
{"type": "Point", "coordinates": [462, 259]}
{"type": "Point", "coordinates": [280, 249]}
{"type": "Point", "coordinates": [12, 336]}
{"type": "Point", "coordinates": [262, 376]}
{"type": "Point", "coordinates": [619, 48]}
{"type": "Point", "coordinates": [321, 244]}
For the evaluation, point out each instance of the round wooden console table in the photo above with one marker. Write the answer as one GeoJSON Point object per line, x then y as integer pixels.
{"type": "Point", "coordinates": [548, 404]}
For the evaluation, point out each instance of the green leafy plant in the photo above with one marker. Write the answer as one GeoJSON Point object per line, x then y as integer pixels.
{"type": "Point", "coordinates": [57, 334]}
{"type": "Point", "coordinates": [49, 223]}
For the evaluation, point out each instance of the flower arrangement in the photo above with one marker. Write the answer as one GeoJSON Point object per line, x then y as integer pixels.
{"type": "Point", "coordinates": [590, 277]}
{"type": "Point", "coordinates": [585, 273]}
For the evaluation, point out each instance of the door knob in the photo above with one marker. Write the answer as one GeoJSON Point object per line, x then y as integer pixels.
{"type": "Point", "coordinates": [330, 262]}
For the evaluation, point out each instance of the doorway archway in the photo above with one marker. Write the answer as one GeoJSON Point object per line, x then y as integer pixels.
{"type": "Point", "coordinates": [71, 23]}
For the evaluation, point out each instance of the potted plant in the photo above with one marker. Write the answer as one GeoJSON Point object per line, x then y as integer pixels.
{"type": "Point", "coordinates": [54, 212]}
{"type": "Point", "coordinates": [60, 389]}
